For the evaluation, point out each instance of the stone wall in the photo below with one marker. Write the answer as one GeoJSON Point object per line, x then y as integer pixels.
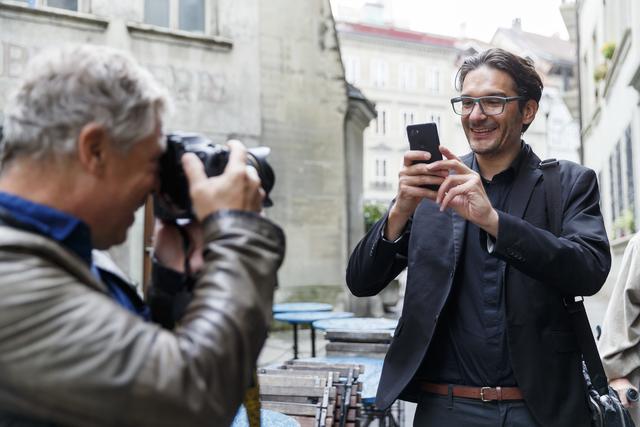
{"type": "Point", "coordinates": [259, 75]}
{"type": "Point", "coordinates": [303, 109]}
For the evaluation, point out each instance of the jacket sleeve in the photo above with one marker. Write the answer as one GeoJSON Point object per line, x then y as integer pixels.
{"type": "Point", "coordinates": [70, 355]}
{"type": "Point", "coordinates": [578, 261]}
{"type": "Point", "coordinates": [619, 344]}
{"type": "Point", "coordinates": [375, 261]}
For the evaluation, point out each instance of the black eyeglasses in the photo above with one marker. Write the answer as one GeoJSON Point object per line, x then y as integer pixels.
{"type": "Point", "coordinates": [489, 105]}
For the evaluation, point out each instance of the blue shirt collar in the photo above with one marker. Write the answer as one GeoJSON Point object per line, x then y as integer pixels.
{"type": "Point", "coordinates": [64, 228]}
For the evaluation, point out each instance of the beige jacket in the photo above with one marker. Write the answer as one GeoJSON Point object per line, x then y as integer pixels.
{"type": "Point", "coordinates": [71, 355]}
{"type": "Point", "coordinates": [619, 344]}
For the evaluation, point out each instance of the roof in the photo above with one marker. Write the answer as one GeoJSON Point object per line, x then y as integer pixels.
{"type": "Point", "coordinates": [356, 94]}
{"type": "Point", "coordinates": [552, 49]}
{"type": "Point", "coordinates": [393, 33]}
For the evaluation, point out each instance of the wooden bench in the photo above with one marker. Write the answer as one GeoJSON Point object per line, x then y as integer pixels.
{"type": "Point", "coordinates": [315, 394]}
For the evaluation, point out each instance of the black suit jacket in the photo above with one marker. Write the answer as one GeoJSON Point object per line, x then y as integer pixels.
{"type": "Point", "coordinates": [540, 269]}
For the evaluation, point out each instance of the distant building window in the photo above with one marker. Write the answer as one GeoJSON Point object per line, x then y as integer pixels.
{"type": "Point", "coordinates": [379, 73]}
{"type": "Point", "coordinates": [631, 202]}
{"type": "Point", "coordinates": [434, 118]}
{"type": "Point", "coordinates": [407, 118]}
{"type": "Point", "coordinates": [381, 168]}
{"type": "Point", "coordinates": [433, 80]}
{"type": "Point", "coordinates": [63, 4]}
{"type": "Point", "coordinates": [621, 187]}
{"type": "Point", "coordinates": [352, 69]}
{"type": "Point", "coordinates": [186, 15]}
{"type": "Point", "coordinates": [191, 15]}
{"type": "Point", "coordinates": [381, 123]}
{"type": "Point", "coordinates": [156, 12]}
{"type": "Point", "coordinates": [59, 4]}
{"type": "Point", "coordinates": [407, 76]}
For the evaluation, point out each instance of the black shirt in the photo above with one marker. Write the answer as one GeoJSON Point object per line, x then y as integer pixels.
{"type": "Point", "coordinates": [469, 345]}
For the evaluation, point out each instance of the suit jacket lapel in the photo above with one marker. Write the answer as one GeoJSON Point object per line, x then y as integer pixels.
{"type": "Point", "coordinates": [526, 179]}
{"type": "Point", "coordinates": [459, 223]}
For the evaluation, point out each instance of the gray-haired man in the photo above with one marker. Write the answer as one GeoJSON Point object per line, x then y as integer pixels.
{"type": "Point", "coordinates": [80, 155]}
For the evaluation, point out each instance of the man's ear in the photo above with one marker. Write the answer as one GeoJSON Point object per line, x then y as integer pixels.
{"type": "Point", "coordinates": [529, 111]}
{"type": "Point", "coordinates": [92, 148]}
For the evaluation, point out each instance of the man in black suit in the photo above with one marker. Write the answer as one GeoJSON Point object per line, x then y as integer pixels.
{"type": "Point", "coordinates": [484, 338]}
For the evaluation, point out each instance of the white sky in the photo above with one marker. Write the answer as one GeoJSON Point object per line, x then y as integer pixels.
{"type": "Point", "coordinates": [481, 17]}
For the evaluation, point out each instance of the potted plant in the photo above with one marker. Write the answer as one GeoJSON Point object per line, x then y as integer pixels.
{"type": "Point", "coordinates": [600, 72]}
{"type": "Point", "coordinates": [608, 49]}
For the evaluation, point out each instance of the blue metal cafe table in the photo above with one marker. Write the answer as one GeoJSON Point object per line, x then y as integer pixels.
{"type": "Point", "coordinates": [307, 318]}
{"type": "Point", "coordinates": [360, 324]}
{"type": "Point", "coordinates": [294, 307]}
{"type": "Point", "coordinates": [267, 419]}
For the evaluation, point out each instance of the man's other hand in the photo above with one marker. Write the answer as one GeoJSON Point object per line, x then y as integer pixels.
{"type": "Point", "coordinates": [238, 187]}
{"type": "Point", "coordinates": [463, 191]}
{"type": "Point", "coordinates": [169, 250]}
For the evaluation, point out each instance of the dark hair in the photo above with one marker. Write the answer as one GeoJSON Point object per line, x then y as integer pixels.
{"type": "Point", "coordinates": [528, 82]}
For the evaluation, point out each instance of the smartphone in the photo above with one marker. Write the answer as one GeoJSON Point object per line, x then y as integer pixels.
{"type": "Point", "coordinates": [424, 137]}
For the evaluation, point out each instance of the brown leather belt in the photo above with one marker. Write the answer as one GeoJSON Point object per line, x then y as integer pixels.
{"type": "Point", "coordinates": [486, 394]}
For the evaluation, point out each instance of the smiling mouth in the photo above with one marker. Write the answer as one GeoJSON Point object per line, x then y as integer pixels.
{"type": "Point", "coordinates": [482, 131]}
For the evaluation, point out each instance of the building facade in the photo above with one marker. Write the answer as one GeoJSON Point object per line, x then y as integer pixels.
{"type": "Point", "coordinates": [555, 133]}
{"type": "Point", "coordinates": [236, 69]}
{"type": "Point", "coordinates": [609, 61]}
{"type": "Point", "coordinates": [409, 76]}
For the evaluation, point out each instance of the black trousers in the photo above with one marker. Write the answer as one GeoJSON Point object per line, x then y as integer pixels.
{"type": "Point", "coordinates": [443, 411]}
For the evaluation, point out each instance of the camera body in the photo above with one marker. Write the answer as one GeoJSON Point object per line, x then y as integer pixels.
{"type": "Point", "coordinates": [172, 202]}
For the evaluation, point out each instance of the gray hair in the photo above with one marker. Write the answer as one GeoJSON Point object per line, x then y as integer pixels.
{"type": "Point", "coordinates": [67, 88]}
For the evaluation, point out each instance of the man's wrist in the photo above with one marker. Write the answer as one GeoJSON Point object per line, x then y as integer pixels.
{"type": "Point", "coordinates": [394, 226]}
{"type": "Point", "coordinates": [492, 224]}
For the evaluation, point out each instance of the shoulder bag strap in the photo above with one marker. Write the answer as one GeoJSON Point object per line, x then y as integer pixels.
{"type": "Point", "coordinates": [574, 305]}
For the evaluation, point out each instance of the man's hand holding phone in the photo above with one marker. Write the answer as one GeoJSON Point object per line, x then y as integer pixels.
{"type": "Point", "coordinates": [413, 179]}
{"type": "Point", "coordinates": [416, 180]}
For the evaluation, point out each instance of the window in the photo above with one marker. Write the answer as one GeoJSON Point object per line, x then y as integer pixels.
{"type": "Point", "coordinates": [381, 168]}
{"type": "Point", "coordinates": [407, 76]}
{"type": "Point", "coordinates": [381, 123]}
{"type": "Point", "coordinates": [379, 73]}
{"type": "Point", "coordinates": [434, 118]}
{"type": "Point", "coordinates": [433, 80]}
{"type": "Point", "coordinates": [631, 202]}
{"type": "Point", "coordinates": [156, 12]}
{"type": "Point", "coordinates": [63, 4]}
{"type": "Point", "coordinates": [621, 187]}
{"type": "Point", "coordinates": [406, 118]}
{"type": "Point", "coordinates": [352, 69]}
{"type": "Point", "coordinates": [74, 5]}
{"type": "Point", "coordinates": [186, 15]}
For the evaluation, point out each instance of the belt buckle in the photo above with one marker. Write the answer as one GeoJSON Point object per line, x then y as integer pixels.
{"type": "Point", "coordinates": [482, 390]}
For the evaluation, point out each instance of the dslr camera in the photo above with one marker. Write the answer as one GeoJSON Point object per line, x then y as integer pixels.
{"type": "Point", "coordinates": [172, 202]}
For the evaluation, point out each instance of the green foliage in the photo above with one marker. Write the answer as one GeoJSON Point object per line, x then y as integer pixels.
{"type": "Point", "coordinates": [625, 224]}
{"type": "Point", "coordinates": [608, 49]}
{"type": "Point", "coordinates": [600, 72]}
{"type": "Point", "coordinates": [372, 214]}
